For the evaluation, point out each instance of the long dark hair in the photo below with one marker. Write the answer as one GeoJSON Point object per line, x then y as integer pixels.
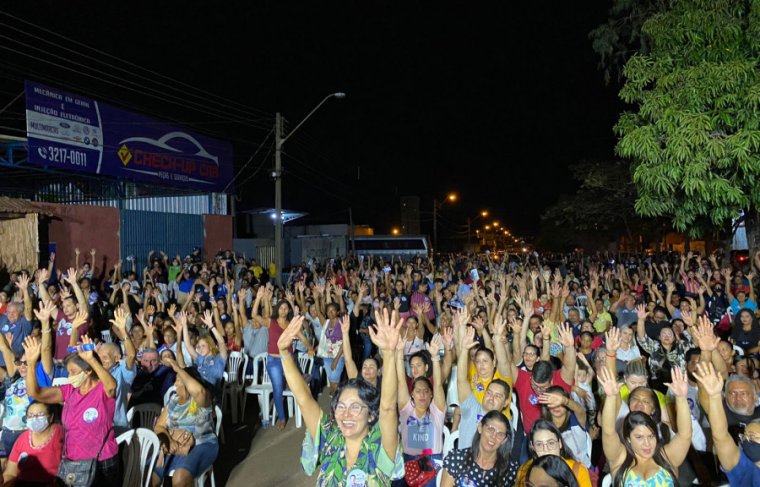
{"type": "Point", "coordinates": [631, 421]}
{"type": "Point", "coordinates": [544, 425]}
{"type": "Point", "coordinates": [424, 355]}
{"type": "Point", "coordinates": [367, 393]}
{"type": "Point", "coordinates": [556, 468]}
{"type": "Point", "coordinates": [547, 415]}
{"type": "Point", "coordinates": [276, 310]}
{"type": "Point", "coordinates": [661, 429]}
{"type": "Point", "coordinates": [503, 453]}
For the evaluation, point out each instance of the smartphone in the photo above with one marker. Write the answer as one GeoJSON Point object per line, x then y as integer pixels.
{"type": "Point", "coordinates": [386, 269]}
{"type": "Point", "coordinates": [475, 275]}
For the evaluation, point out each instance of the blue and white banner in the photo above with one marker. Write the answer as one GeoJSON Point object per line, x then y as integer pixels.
{"type": "Point", "coordinates": [72, 132]}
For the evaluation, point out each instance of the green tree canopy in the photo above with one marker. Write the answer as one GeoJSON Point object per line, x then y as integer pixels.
{"type": "Point", "coordinates": [695, 138]}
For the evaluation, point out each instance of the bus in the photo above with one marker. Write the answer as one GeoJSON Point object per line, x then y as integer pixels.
{"type": "Point", "coordinates": [387, 246]}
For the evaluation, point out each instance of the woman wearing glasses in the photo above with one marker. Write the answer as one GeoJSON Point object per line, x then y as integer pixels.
{"type": "Point", "coordinates": [487, 463]}
{"type": "Point", "coordinates": [545, 439]}
{"type": "Point", "coordinates": [358, 441]}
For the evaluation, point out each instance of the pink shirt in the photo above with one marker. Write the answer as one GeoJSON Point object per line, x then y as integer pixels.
{"type": "Point", "coordinates": [420, 434]}
{"type": "Point", "coordinates": [87, 419]}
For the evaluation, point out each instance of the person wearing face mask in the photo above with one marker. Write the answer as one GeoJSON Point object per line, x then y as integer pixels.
{"type": "Point", "coordinates": [89, 401]}
{"type": "Point", "coordinates": [740, 463]}
{"type": "Point", "coordinates": [123, 370]}
{"type": "Point", "coordinates": [36, 455]}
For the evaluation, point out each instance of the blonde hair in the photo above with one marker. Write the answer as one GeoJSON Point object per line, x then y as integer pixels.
{"type": "Point", "coordinates": [211, 344]}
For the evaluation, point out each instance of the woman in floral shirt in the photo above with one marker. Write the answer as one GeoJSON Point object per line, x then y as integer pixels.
{"type": "Point", "coordinates": [357, 444]}
{"type": "Point", "coordinates": [665, 353]}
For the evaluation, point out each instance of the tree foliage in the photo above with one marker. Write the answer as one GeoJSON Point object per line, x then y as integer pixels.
{"type": "Point", "coordinates": [695, 138]}
{"type": "Point", "coordinates": [620, 37]}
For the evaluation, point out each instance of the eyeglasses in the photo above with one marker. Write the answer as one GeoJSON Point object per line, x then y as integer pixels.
{"type": "Point", "coordinates": [530, 354]}
{"type": "Point", "coordinates": [545, 445]}
{"type": "Point", "coordinates": [493, 432]}
{"type": "Point", "coordinates": [20, 362]}
{"type": "Point", "coordinates": [354, 409]}
{"type": "Point", "coordinates": [537, 387]}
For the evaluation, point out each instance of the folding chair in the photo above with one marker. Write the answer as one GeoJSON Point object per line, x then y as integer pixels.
{"type": "Point", "coordinates": [263, 389]}
{"type": "Point", "coordinates": [305, 364]}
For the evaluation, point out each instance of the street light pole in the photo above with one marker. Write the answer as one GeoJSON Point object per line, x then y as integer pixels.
{"type": "Point", "coordinates": [279, 142]}
{"type": "Point", "coordinates": [435, 225]}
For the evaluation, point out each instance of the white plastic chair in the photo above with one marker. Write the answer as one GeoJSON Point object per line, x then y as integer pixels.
{"type": "Point", "coordinates": [234, 380]}
{"type": "Point", "coordinates": [263, 389]}
{"type": "Point", "coordinates": [607, 481]}
{"type": "Point", "coordinates": [305, 364]}
{"type": "Point", "coordinates": [149, 450]}
{"type": "Point", "coordinates": [147, 414]}
{"type": "Point", "coordinates": [106, 337]}
{"type": "Point", "coordinates": [60, 381]}
{"type": "Point", "coordinates": [739, 351]}
{"type": "Point", "coordinates": [201, 480]}
{"type": "Point", "coordinates": [171, 391]}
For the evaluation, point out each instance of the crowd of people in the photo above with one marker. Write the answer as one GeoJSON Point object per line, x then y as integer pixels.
{"type": "Point", "coordinates": [529, 370]}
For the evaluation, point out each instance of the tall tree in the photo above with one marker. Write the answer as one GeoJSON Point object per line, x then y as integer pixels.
{"type": "Point", "coordinates": [695, 137]}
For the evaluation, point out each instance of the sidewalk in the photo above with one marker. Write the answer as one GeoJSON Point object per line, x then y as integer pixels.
{"type": "Point", "coordinates": [274, 457]}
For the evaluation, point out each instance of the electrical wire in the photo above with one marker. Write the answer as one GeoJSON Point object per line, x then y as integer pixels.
{"type": "Point", "coordinates": [124, 61]}
{"type": "Point", "coordinates": [248, 162]}
{"type": "Point", "coordinates": [159, 96]}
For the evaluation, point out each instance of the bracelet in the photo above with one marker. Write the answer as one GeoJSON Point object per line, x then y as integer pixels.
{"type": "Point", "coordinates": [611, 354]}
{"type": "Point", "coordinates": [547, 338]}
{"type": "Point", "coordinates": [47, 331]}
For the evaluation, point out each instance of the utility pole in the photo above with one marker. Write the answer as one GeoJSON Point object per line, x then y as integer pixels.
{"type": "Point", "coordinates": [278, 199]}
{"type": "Point", "coordinates": [435, 225]}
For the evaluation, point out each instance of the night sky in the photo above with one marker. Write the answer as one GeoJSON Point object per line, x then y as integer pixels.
{"type": "Point", "coordinates": [493, 103]}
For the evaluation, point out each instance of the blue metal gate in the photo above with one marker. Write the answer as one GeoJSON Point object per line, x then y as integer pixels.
{"type": "Point", "coordinates": [143, 231]}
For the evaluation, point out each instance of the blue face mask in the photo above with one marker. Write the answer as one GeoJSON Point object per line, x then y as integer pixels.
{"type": "Point", "coordinates": [38, 424]}
{"type": "Point", "coordinates": [752, 450]}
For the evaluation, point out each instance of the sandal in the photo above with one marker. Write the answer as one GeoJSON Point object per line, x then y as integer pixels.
{"type": "Point", "coordinates": [280, 425]}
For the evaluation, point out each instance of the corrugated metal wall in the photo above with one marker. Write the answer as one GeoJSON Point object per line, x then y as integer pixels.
{"type": "Point", "coordinates": [265, 255]}
{"type": "Point", "coordinates": [143, 231]}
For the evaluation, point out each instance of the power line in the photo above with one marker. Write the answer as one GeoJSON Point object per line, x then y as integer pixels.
{"type": "Point", "coordinates": [124, 61]}
{"type": "Point", "coordinates": [199, 107]}
{"type": "Point", "coordinates": [249, 161]}
{"type": "Point", "coordinates": [263, 161]}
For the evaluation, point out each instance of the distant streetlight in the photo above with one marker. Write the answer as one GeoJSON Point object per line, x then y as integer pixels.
{"type": "Point", "coordinates": [488, 227]}
{"type": "Point", "coordinates": [484, 213]}
{"type": "Point", "coordinates": [451, 198]}
{"type": "Point", "coordinates": [395, 231]}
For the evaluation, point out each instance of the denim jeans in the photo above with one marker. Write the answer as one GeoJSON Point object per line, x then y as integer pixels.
{"type": "Point", "coordinates": [277, 377]}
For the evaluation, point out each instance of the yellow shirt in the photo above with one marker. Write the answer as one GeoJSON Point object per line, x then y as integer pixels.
{"type": "Point", "coordinates": [479, 386]}
{"type": "Point", "coordinates": [272, 270]}
{"type": "Point", "coordinates": [257, 270]}
{"type": "Point", "coordinates": [625, 392]}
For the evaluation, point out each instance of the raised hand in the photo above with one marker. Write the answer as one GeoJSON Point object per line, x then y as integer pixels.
{"type": "Point", "coordinates": [566, 336]}
{"type": "Point", "coordinates": [704, 335]}
{"type": "Point", "coordinates": [552, 400]}
{"type": "Point", "coordinates": [461, 317]}
{"type": "Point", "coordinates": [469, 341]}
{"type": "Point", "coordinates": [207, 319]}
{"type": "Point", "coordinates": [612, 339]}
{"type": "Point", "coordinates": [45, 311]}
{"type": "Point", "coordinates": [478, 323]}
{"type": "Point", "coordinates": [42, 275]}
{"type": "Point", "coordinates": [435, 345]}
{"type": "Point", "coordinates": [679, 385]}
{"type": "Point", "coordinates": [71, 276]}
{"type": "Point", "coordinates": [23, 281]}
{"type": "Point", "coordinates": [32, 349]}
{"type": "Point", "coordinates": [289, 334]}
{"type": "Point", "coordinates": [79, 319]}
{"type": "Point", "coordinates": [641, 311]}
{"type": "Point", "coordinates": [172, 310]}
{"type": "Point", "coordinates": [119, 321]}
{"type": "Point", "coordinates": [386, 333]}
{"type": "Point", "coordinates": [546, 330]}
{"type": "Point", "coordinates": [447, 335]}
{"type": "Point", "coordinates": [608, 382]}
{"type": "Point", "coordinates": [709, 379]}
{"type": "Point", "coordinates": [86, 355]}
{"type": "Point", "coordinates": [65, 293]}
{"type": "Point", "coordinates": [345, 325]}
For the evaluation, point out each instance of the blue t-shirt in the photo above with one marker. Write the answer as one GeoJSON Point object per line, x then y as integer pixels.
{"type": "Point", "coordinates": [745, 472]}
{"type": "Point", "coordinates": [211, 368]}
{"type": "Point", "coordinates": [124, 378]}
{"type": "Point", "coordinates": [20, 330]}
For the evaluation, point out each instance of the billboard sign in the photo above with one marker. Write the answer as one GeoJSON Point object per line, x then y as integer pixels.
{"type": "Point", "coordinates": [72, 132]}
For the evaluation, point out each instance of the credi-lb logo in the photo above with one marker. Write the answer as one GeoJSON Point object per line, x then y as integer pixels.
{"type": "Point", "coordinates": [124, 155]}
